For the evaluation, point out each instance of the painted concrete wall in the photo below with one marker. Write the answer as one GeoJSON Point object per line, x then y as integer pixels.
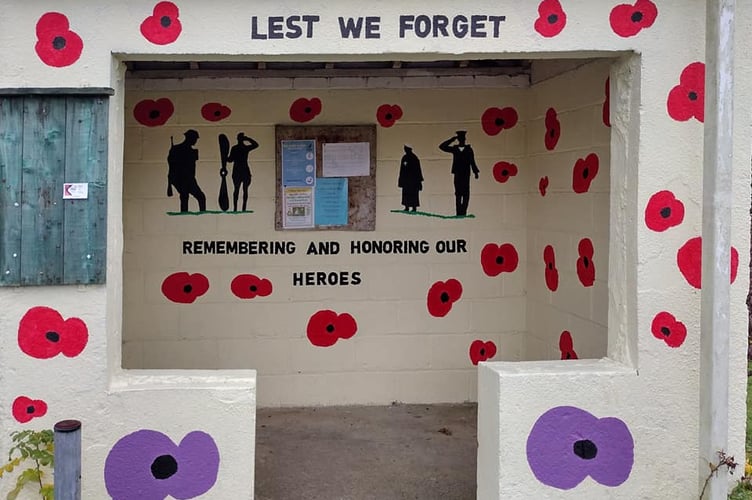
{"type": "Point", "coordinates": [655, 147]}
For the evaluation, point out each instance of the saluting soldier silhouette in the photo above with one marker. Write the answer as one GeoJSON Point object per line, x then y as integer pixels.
{"type": "Point", "coordinates": [462, 162]}
{"type": "Point", "coordinates": [182, 160]}
{"type": "Point", "coordinates": [410, 179]}
{"type": "Point", "coordinates": [241, 171]}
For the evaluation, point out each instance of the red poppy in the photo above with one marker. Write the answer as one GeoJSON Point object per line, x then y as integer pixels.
{"type": "Point", "coordinates": [153, 113]}
{"type": "Point", "coordinates": [584, 172]}
{"type": "Point", "coordinates": [304, 110]}
{"type": "Point", "coordinates": [543, 185]}
{"type": "Point", "coordinates": [551, 18]}
{"type": "Point", "coordinates": [663, 211]}
{"type": "Point", "coordinates": [666, 328]}
{"type": "Point", "coordinates": [481, 351]}
{"type": "Point", "coordinates": [214, 111]}
{"type": "Point", "coordinates": [24, 409]}
{"type": "Point", "coordinates": [503, 170]}
{"type": "Point", "coordinates": [585, 265]}
{"type": "Point", "coordinates": [628, 20]}
{"type": "Point", "coordinates": [566, 346]}
{"type": "Point", "coordinates": [326, 327]}
{"type": "Point", "coordinates": [494, 120]}
{"type": "Point", "coordinates": [43, 334]}
{"type": "Point", "coordinates": [442, 295]}
{"type": "Point", "coordinates": [184, 288]}
{"type": "Point", "coordinates": [553, 129]}
{"type": "Point", "coordinates": [551, 273]}
{"type": "Point", "coordinates": [163, 26]}
{"type": "Point", "coordinates": [388, 114]}
{"type": "Point", "coordinates": [607, 104]}
{"type": "Point", "coordinates": [496, 259]}
{"type": "Point", "coordinates": [250, 286]}
{"type": "Point", "coordinates": [57, 45]}
{"type": "Point", "coordinates": [689, 260]}
{"type": "Point", "coordinates": [687, 100]}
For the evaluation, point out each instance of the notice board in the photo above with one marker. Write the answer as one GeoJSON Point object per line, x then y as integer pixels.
{"type": "Point", "coordinates": [315, 160]}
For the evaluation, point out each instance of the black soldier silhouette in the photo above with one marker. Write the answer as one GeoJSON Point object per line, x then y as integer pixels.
{"type": "Point", "coordinates": [463, 161]}
{"type": "Point", "coordinates": [410, 179]}
{"type": "Point", "coordinates": [241, 171]}
{"type": "Point", "coordinates": [182, 160]}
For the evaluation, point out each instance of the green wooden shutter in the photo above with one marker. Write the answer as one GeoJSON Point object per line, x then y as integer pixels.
{"type": "Point", "coordinates": [46, 141]}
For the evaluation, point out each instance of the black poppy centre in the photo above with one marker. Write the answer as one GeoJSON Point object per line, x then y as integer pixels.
{"type": "Point", "coordinates": [636, 17]}
{"type": "Point", "coordinates": [585, 173]}
{"type": "Point", "coordinates": [552, 133]}
{"type": "Point", "coordinates": [666, 212]}
{"type": "Point", "coordinates": [253, 288]}
{"type": "Point", "coordinates": [585, 261]}
{"type": "Point", "coordinates": [58, 43]}
{"type": "Point", "coordinates": [665, 331]}
{"type": "Point", "coordinates": [164, 467]}
{"type": "Point", "coordinates": [330, 328]}
{"type": "Point", "coordinates": [483, 351]}
{"type": "Point", "coordinates": [30, 409]}
{"type": "Point", "coordinates": [505, 172]}
{"type": "Point", "coordinates": [154, 114]}
{"type": "Point", "coordinates": [499, 260]}
{"type": "Point", "coordinates": [187, 288]}
{"type": "Point", "coordinates": [52, 336]}
{"type": "Point", "coordinates": [585, 449]}
{"type": "Point", "coordinates": [307, 109]}
{"type": "Point", "coordinates": [165, 21]}
{"type": "Point", "coordinates": [499, 122]}
{"type": "Point", "coordinates": [444, 297]}
{"type": "Point", "coordinates": [692, 95]}
{"type": "Point", "coordinates": [552, 18]}
{"type": "Point", "coordinates": [550, 265]}
{"type": "Point", "coordinates": [388, 116]}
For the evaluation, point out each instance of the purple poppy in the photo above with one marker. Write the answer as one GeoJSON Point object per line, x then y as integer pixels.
{"type": "Point", "coordinates": [567, 444]}
{"type": "Point", "coordinates": [148, 465]}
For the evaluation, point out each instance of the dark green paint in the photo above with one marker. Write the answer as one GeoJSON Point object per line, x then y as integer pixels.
{"type": "Point", "coordinates": [11, 134]}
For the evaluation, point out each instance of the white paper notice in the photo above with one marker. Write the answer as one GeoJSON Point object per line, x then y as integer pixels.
{"type": "Point", "coordinates": [75, 190]}
{"type": "Point", "coordinates": [346, 159]}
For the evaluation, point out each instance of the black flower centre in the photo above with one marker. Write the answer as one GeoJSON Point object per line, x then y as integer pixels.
{"type": "Point", "coordinates": [187, 288]}
{"type": "Point", "coordinates": [29, 410]}
{"type": "Point", "coordinates": [505, 172]}
{"type": "Point", "coordinates": [499, 122]}
{"type": "Point", "coordinates": [665, 331]}
{"type": "Point", "coordinates": [307, 109]}
{"type": "Point", "coordinates": [550, 265]}
{"type": "Point", "coordinates": [552, 18]}
{"type": "Point", "coordinates": [499, 260]}
{"type": "Point", "coordinates": [164, 466]}
{"type": "Point", "coordinates": [52, 336]}
{"type": "Point", "coordinates": [217, 113]}
{"type": "Point", "coordinates": [253, 288]}
{"type": "Point", "coordinates": [58, 43]}
{"type": "Point", "coordinates": [552, 133]}
{"type": "Point", "coordinates": [585, 449]}
{"type": "Point", "coordinates": [636, 17]}
{"type": "Point", "coordinates": [585, 261]}
{"type": "Point", "coordinates": [444, 297]}
{"type": "Point", "coordinates": [585, 173]}
{"type": "Point", "coordinates": [388, 116]}
{"type": "Point", "coordinates": [483, 351]}
{"type": "Point", "coordinates": [692, 95]}
{"type": "Point", "coordinates": [165, 21]}
{"type": "Point", "coordinates": [330, 328]}
{"type": "Point", "coordinates": [569, 355]}
{"type": "Point", "coordinates": [666, 212]}
{"type": "Point", "coordinates": [154, 114]}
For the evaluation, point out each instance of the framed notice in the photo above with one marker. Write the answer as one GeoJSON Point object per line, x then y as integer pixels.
{"type": "Point", "coordinates": [326, 177]}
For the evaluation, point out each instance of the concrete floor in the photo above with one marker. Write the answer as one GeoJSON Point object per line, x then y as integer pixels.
{"type": "Point", "coordinates": [367, 453]}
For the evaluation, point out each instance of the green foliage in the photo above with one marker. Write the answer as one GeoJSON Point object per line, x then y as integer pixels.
{"type": "Point", "coordinates": [31, 446]}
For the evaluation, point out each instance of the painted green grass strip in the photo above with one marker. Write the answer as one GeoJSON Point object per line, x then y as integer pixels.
{"type": "Point", "coordinates": [207, 212]}
{"type": "Point", "coordinates": [429, 214]}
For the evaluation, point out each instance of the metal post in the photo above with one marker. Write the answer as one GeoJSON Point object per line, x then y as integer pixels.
{"type": "Point", "coordinates": [68, 460]}
{"type": "Point", "coordinates": [716, 243]}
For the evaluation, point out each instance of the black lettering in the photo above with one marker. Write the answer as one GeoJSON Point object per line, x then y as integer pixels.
{"type": "Point", "coordinates": [496, 23]}
{"type": "Point", "coordinates": [332, 279]}
{"type": "Point", "coordinates": [187, 247]}
{"type": "Point", "coordinates": [356, 278]}
{"type": "Point", "coordinates": [440, 246]}
{"type": "Point", "coordinates": [398, 247]}
{"type": "Point", "coordinates": [311, 248]}
{"type": "Point", "coordinates": [422, 26]}
{"type": "Point", "coordinates": [405, 23]}
{"type": "Point", "coordinates": [320, 278]}
{"type": "Point", "coordinates": [354, 247]}
{"type": "Point", "coordinates": [297, 279]}
{"type": "Point", "coordinates": [255, 35]}
{"type": "Point", "coordinates": [440, 24]}
{"type": "Point", "coordinates": [275, 27]}
{"type": "Point", "coordinates": [310, 279]}
{"type": "Point", "coordinates": [220, 247]}
{"type": "Point", "coordinates": [293, 30]}
{"type": "Point", "coordinates": [232, 247]}
{"type": "Point", "coordinates": [334, 247]}
{"type": "Point", "coordinates": [461, 246]}
{"type": "Point", "coordinates": [478, 26]}
{"type": "Point", "coordinates": [289, 247]}
{"type": "Point", "coordinates": [263, 247]}
{"type": "Point", "coordinates": [243, 248]}
{"type": "Point", "coordinates": [459, 26]}
{"type": "Point", "coordinates": [373, 26]}
{"type": "Point", "coordinates": [343, 281]}
{"type": "Point", "coordinates": [424, 246]}
{"type": "Point", "coordinates": [350, 28]}
{"type": "Point", "coordinates": [309, 20]}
